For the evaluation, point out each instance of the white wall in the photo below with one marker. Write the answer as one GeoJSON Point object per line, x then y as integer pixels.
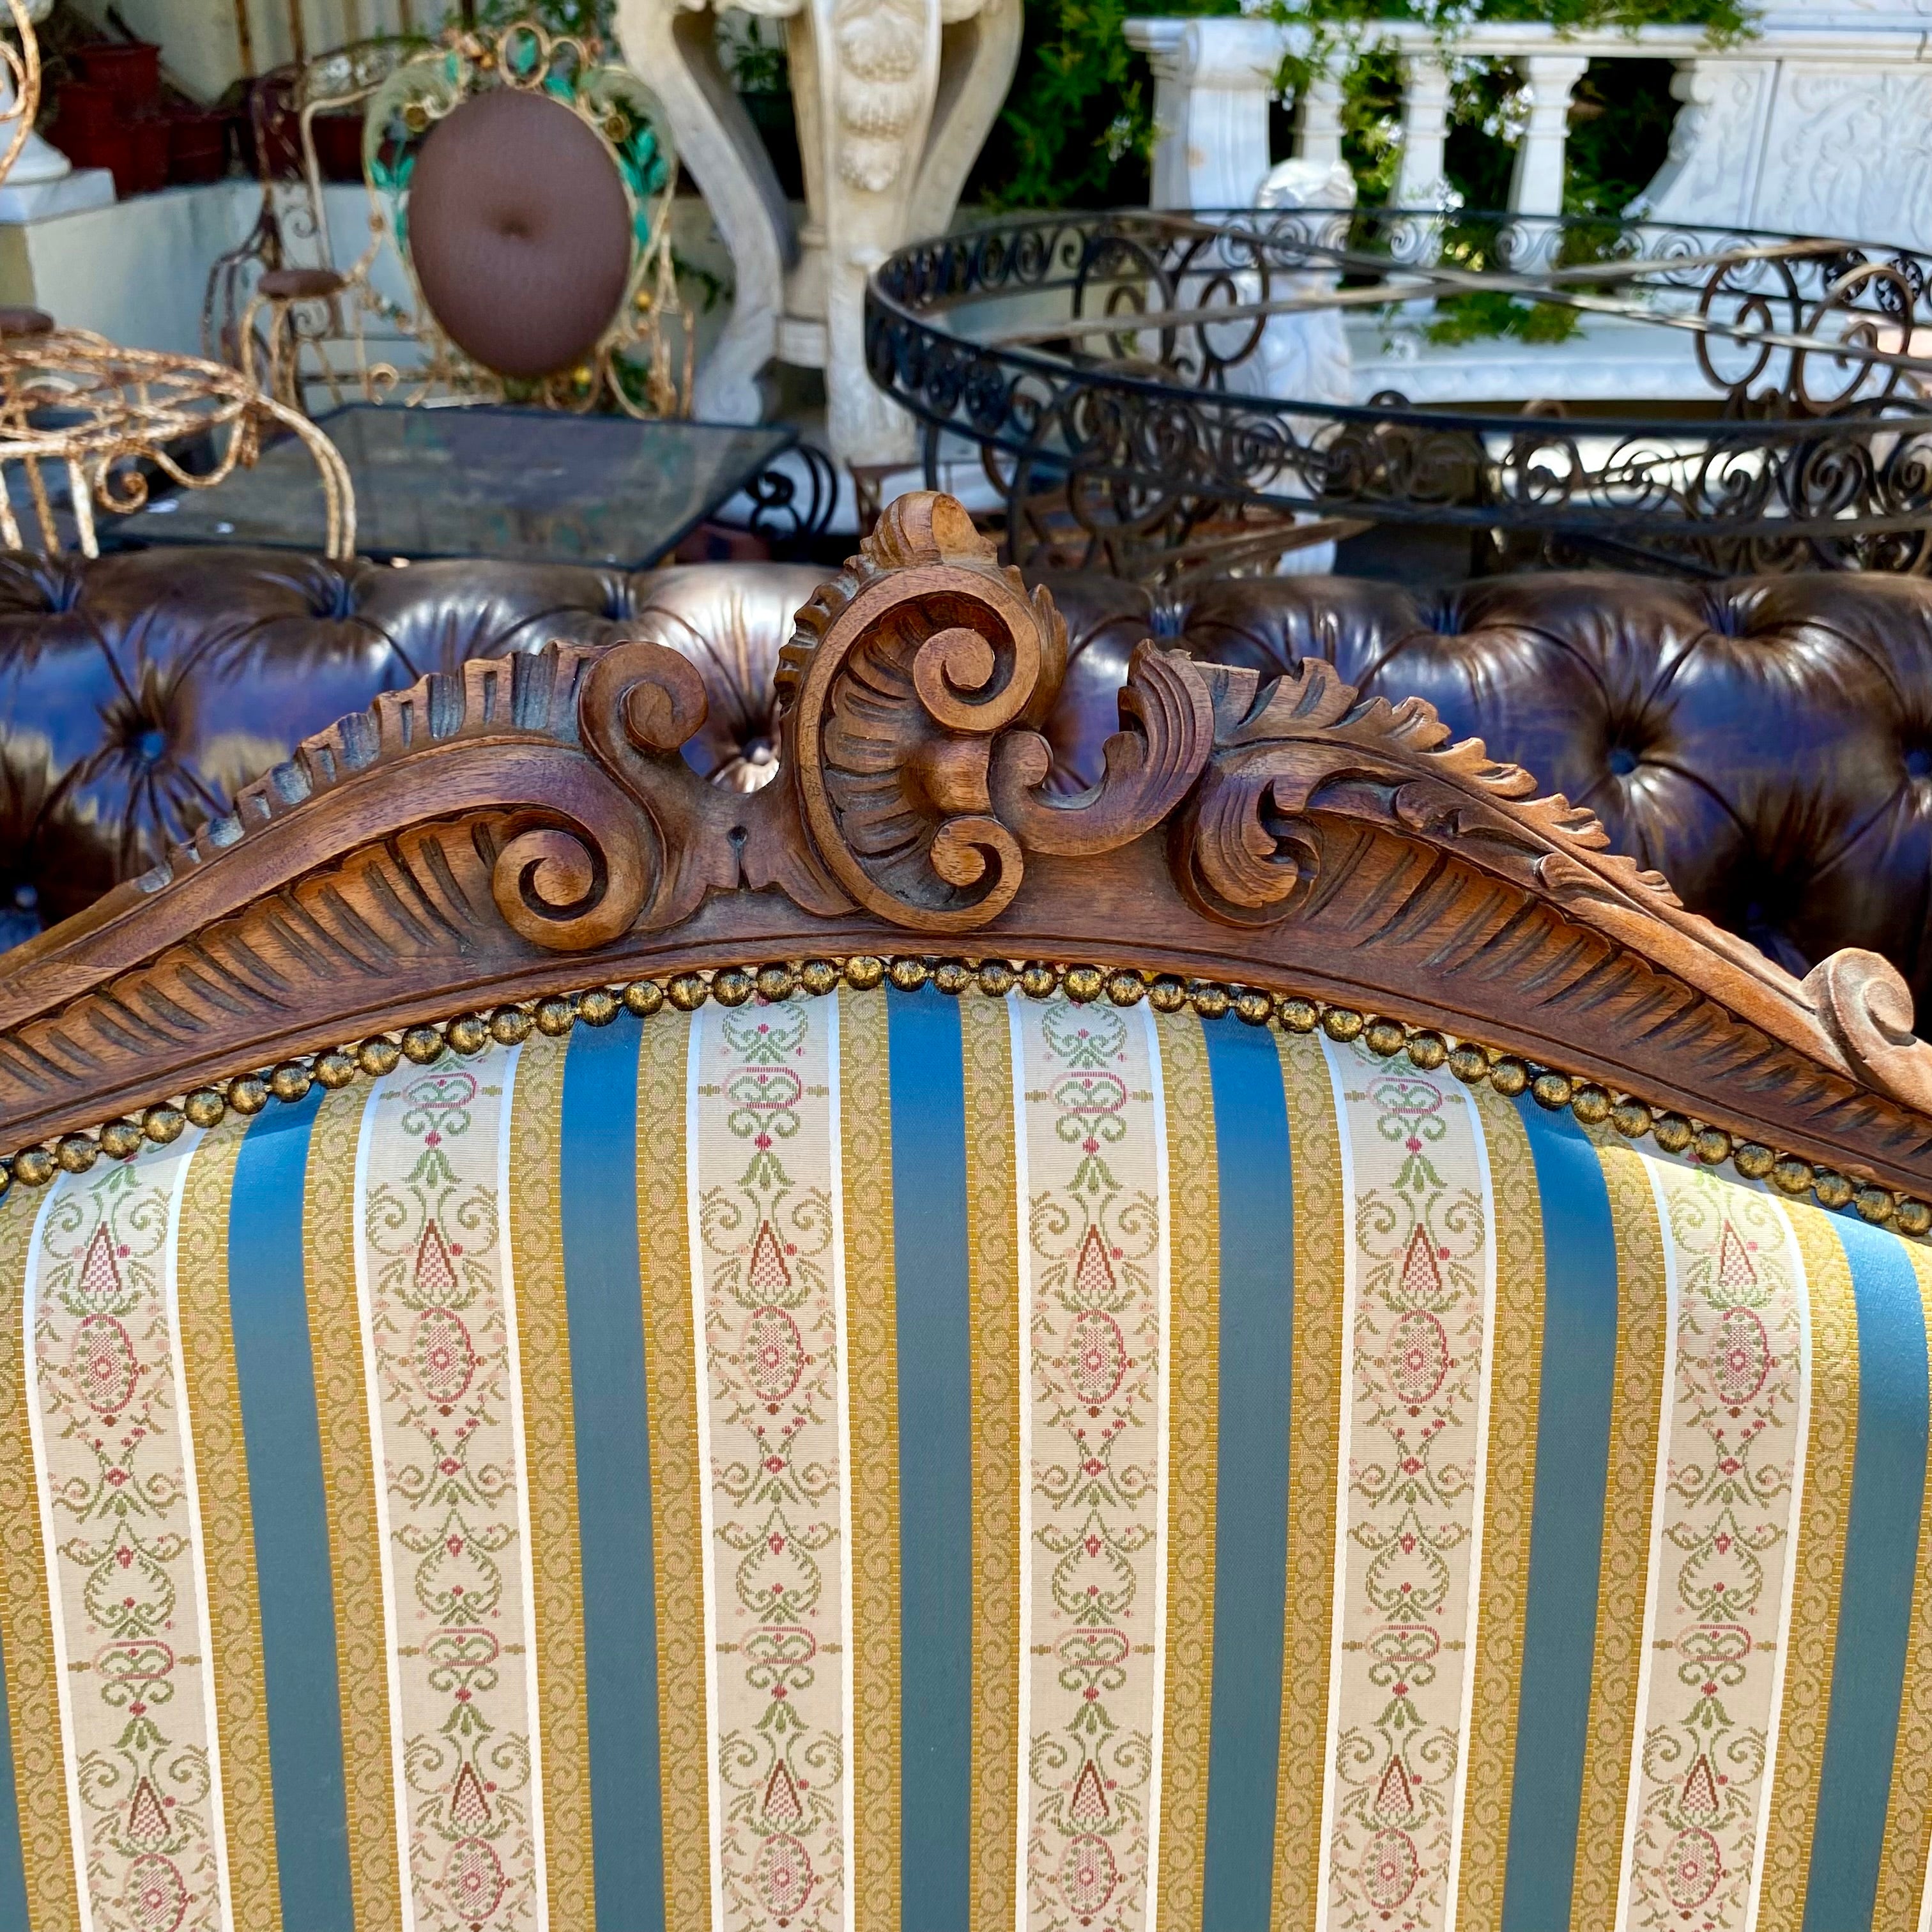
{"type": "Point", "coordinates": [201, 40]}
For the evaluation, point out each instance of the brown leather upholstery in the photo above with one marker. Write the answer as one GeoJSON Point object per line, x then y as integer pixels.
{"type": "Point", "coordinates": [520, 232]}
{"type": "Point", "coordinates": [1767, 744]}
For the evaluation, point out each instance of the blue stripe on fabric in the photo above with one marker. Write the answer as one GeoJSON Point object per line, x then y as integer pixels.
{"type": "Point", "coordinates": [1257, 1331]}
{"type": "Point", "coordinates": [274, 1372]}
{"type": "Point", "coordinates": [604, 1303]}
{"type": "Point", "coordinates": [13, 1859]}
{"type": "Point", "coordinates": [1577, 1387]}
{"type": "Point", "coordinates": [1875, 1591]}
{"type": "Point", "coordinates": [928, 1086]}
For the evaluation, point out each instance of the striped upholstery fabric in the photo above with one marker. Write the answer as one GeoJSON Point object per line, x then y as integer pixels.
{"type": "Point", "coordinates": [905, 1464]}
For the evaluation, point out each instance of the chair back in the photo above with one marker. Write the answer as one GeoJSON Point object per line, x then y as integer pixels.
{"type": "Point", "coordinates": [525, 182]}
{"type": "Point", "coordinates": [1283, 1340]}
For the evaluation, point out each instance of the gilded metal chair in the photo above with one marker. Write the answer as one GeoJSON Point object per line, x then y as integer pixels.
{"type": "Point", "coordinates": [85, 417]}
{"type": "Point", "coordinates": [520, 189]}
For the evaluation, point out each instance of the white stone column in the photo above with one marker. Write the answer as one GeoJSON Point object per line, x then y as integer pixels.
{"type": "Point", "coordinates": [1213, 79]}
{"type": "Point", "coordinates": [1420, 180]}
{"type": "Point", "coordinates": [1321, 131]}
{"type": "Point", "coordinates": [1536, 186]}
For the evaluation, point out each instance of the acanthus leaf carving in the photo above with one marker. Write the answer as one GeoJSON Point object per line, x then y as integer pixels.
{"type": "Point", "coordinates": [912, 691]}
{"type": "Point", "coordinates": [1304, 752]}
{"type": "Point", "coordinates": [641, 704]}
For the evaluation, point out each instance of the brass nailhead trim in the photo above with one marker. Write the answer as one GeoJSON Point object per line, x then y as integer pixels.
{"type": "Point", "coordinates": [378, 1055]}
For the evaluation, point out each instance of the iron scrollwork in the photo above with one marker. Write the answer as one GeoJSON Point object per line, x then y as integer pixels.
{"type": "Point", "coordinates": [1130, 422]}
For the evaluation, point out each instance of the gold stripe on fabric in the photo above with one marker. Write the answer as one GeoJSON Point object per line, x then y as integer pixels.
{"type": "Point", "coordinates": [992, 1268]}
{"type": "Point", "coordinates": [1908, 1818]}
{"type": "Point", "coordinates": [1630, 1487]}
{"type": "Point", "coordinates": [872, 1341]}
{"type": "Point", "coordinates": [228, 1526]}
{"type": "Point", "coordinates": [349, 1484]}
{"type": "Point", "coordinates": [1314, 1449]}
{"type": "Point", "coordinates": [1194, 1406]}
{"type": "Point", "coordinates": [550, 1437]}
{"type": "Point", "coordinates": [1509, 1499]}
{"type": "Point", "coordinates": [26, 1635]}
{"type": "Point", "coordinates": [1811, 1641]}
{"type": "Point", "coordinates": [677, 1540]}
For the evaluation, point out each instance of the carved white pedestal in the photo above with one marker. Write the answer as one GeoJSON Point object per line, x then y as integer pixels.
{"type": "Point", "coordinates": [1823, 124]}
{"type": "Point", "coordinates": [894, 98]}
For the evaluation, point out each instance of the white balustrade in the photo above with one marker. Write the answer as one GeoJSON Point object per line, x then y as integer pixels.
{"type": "Point", "coordinates": [1821, 122]}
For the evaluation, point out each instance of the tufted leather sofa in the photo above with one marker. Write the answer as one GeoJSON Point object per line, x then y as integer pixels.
{"type": "Point", "coordinates": [1766, 744]}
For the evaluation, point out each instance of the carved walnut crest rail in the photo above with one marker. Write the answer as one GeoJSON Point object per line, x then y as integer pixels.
{"type": "Point", "coordinates": [530, 825]}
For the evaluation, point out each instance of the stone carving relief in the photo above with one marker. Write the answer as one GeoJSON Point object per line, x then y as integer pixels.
{"type": "Point", "coordinates": [1849, 150]}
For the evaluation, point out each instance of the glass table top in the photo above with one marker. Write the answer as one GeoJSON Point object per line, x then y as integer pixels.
{"type": "Point", "coordinates": [532, 485]}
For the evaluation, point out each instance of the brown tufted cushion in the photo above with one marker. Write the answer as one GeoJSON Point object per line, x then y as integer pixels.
{"type": "Point", "coordinates": [519, 232]}
{"type": "Point", "coordinates": [1767, 744]}
{"type": "Point", "coordinates": [139, 691]}
{"type": "Point", "coordinates": [730, 619]}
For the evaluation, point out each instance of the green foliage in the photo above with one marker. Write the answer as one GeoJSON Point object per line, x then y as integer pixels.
{"type": "Point", "coordinates": [1487, 313]}
{"type": "Point", "coordinates": [1078, 126]}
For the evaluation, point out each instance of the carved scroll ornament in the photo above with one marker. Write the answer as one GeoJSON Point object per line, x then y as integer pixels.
{"type": "Point", "coordinates": [549, 791]}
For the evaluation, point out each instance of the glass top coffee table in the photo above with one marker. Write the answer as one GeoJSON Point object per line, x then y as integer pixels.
{"type": "Point", "coordinates": [533, 485]}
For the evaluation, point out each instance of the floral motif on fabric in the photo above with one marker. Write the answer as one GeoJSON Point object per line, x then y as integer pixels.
{"type": "Point", "coordinates": [1096, 1428]}
{"type": "Point", "coordinates": [435, 1292]}
{"type": "Point", "coordinates": [111, 1431]}
{"type": "Point", "coordinates": [1419, 1225]}
{"type": "Point", "coordinates": [1730, 1499]}
{"type": "Point", "coordinates": [762, 1152]}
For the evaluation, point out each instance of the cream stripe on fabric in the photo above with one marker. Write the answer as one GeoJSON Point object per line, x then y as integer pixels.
{"type": "Point", "coordinates": [1422, 1281]}
{"type": "Point", "coordinates": [532, 1126]}
{"type": "Point", "coordinates": [1730, 1489]}
{"type": "Point", "coordinates": [1088, 1106]}
{"type": "Point", "coordinates": [114, 1469]}
{"type": "Point", "coordinates": [437, 1299]}
{"type": "Point", "coordinates": [763, 1185]}
{"type": "Point", "coordinates": [1816, 1573]}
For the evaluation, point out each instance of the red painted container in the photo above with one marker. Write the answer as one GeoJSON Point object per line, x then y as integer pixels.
{"type": "Point", "coordinates": [197, 146]}
{"type": "Point", "coordinates": [85, 108]}
{"type": "Point", "coordinates": [338, 146]}
{"type": "Point", "coordinates": [109, 148]}
{"type": "Point", "coordinates": [129, 70]}
{"type": "Point", "coordinates": [148, 141]}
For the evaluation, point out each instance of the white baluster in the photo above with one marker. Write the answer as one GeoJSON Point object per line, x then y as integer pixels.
{"type": "Point", "coordinates": [1536, 186]}
{"type": "Point", "coordinates": [1420, 181]}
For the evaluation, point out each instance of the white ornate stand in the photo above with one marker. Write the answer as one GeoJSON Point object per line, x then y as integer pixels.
{"type": "Point", "coordinates": [894, 98]}
{"type": "Point", "coordinates": [1823, 124]}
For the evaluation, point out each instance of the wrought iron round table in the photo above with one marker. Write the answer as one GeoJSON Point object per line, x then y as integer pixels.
{"type": "Point", "coordinates": [1114, 370]}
